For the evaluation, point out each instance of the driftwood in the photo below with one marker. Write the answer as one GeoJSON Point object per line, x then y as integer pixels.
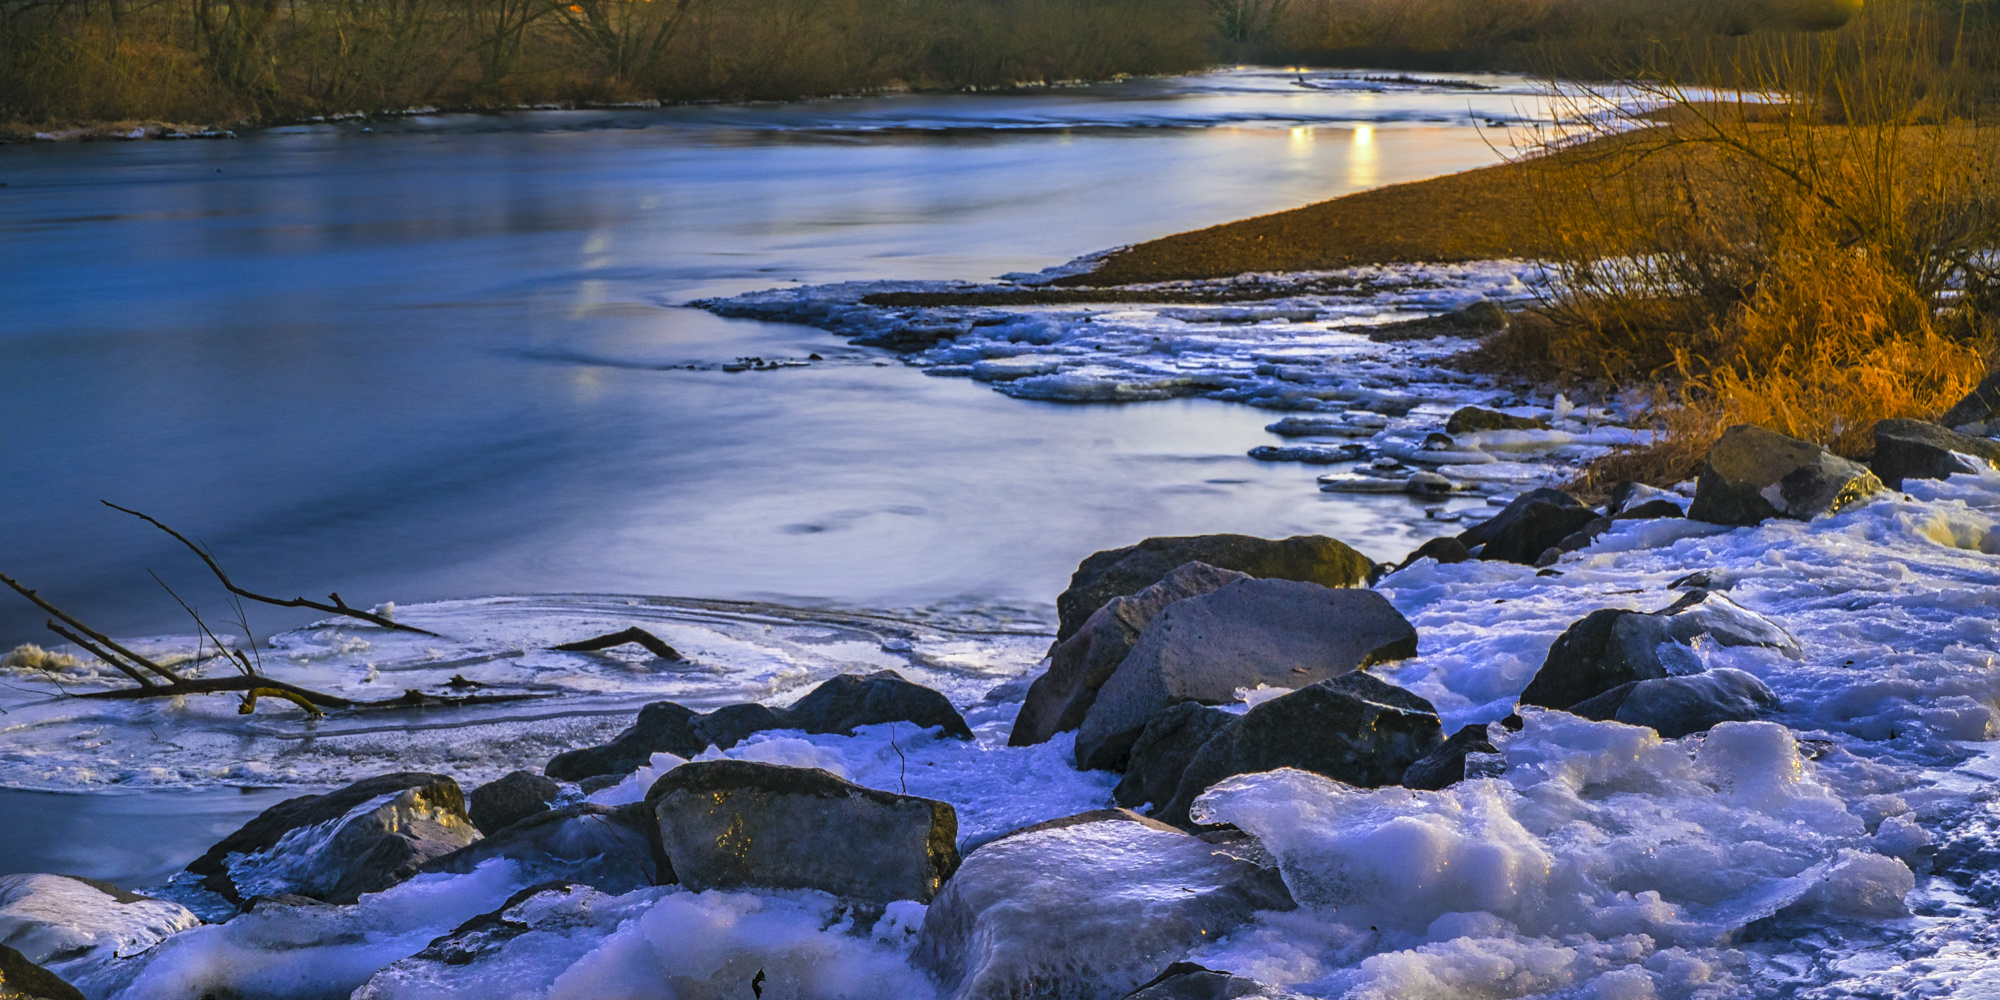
{"type": "Point", "coordinates": [249, 685]}
{"type": "Point", "coordinates": [636, 634]}
{"type": "Point", "coordinates": [338, 607]}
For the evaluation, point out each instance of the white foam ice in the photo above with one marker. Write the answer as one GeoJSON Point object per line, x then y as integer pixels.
{"type": "Point", "coordinates": [1295, 343]}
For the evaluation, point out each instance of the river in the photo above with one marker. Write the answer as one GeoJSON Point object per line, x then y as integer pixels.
{"type": "Point", "coordinates": [428, 358]}
{"type": "Point", "coordinates": [447, 356]}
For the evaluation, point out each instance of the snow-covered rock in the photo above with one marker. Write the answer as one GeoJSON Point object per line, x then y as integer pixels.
{"type": "Point", "coordinates": [57, 919]}
{"type": "Point", "coordinates": [337, 846]}
{"type": "Point", "coordinates": [1088, 906]}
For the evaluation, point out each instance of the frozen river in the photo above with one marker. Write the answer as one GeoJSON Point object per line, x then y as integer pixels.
{"type": "Point", "coordinates": [435, 360]}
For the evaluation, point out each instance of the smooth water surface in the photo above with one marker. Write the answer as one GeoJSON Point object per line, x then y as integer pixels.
{"type": "Point", "coordinates": [435, 359]}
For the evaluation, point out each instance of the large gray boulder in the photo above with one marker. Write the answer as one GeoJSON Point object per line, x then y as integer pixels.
{"type": "Point", "coordinates": [841, 703]}
{"type": "Point", "coordinates": [1444, 766]}
{"type": "Point", "coordinates": [335, 847]}
{"type": "Point", "coordinates": [1610, 647]}
{"type": "Point", "coordinates": [727, 824]}
{"type": "Point", "coordinates": [1280, 633]}
{"type": "Point", "coordinates": [1677, 706]}
{"type": "Point", "coordinates": [21, 979]}
{"type": "Point", "coordinates": [52, 919]}
{"type": "Point", "coordinates": [509, 799]}
{"type": "Point", "coordinates": [1119, 572]}
{"type": "Point", "coordinates": [1355, 728]}
{"type": "Point", "coordinates": [1090, 906]}
{"type": "Point", "coordinates": [1163, 751]}
{"type": "Point", "coordinates": [1752, 474]}
{"type": "Point", "coordinates": [1918, 449]}
{"type": "Point", "coordinates": [1079, 665]}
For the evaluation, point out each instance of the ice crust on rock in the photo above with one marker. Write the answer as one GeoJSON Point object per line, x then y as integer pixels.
{"type": "Point", "coordinates": [56, 920]}
{"type": "Point", "coordinates": [1084, 909]}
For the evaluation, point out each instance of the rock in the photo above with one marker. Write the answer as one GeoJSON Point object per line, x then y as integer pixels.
{"type": "Point", "coordinates": [471, 960]}
{"type": "Point", "coordinates": [1610, 647]}
{"type": "Point", "coordinates": [1536, 528]}
{"type": "Point", "coordinates": [1917, 449]}
{"type": "Point", "coordinates": [52, 919]}
{"type": "Point", "coordinates": [1280, 633]}
{"type": "Point", "coordinates": [1445, 550]}
{"type": "Point", "coordinates": [1188, 981]}
{"type": "Point", "coordinates": [1354, 728]}
{"type": "Point", "coordinates": [728, 824]}
{"type": "Point", "coordinates": [613, 849]}
{"type": "Point", "coordinates": [1485, 531]}
{"type": "Point", "coordinates": [1081, 664]}
{"type": "Point", "coordinates": [1428, 484]}
{"type": "Point", "coordinates": [21, 979]}
{"type": "Point", "coordinates": [849, 700]}
{"type": "Point", "coordinates": [1581, 539]}
{"type": "Point", "coordinates": [662, 727]}
{"type": "Point", "coordinates": [729, 725]}
{"type": "Point", "coordinates": [1472, 419]}
{"type": "Point", "coordinates": [1119, 572]}
{"type": "Point", "coordinates": [1752, 474]}
{"type": "Point", "coordinates": [363, 838]}
{"type": "Point", "coordinates": [503, 802]}
{"type": "Point", "coordinates": [835, 706]}
{"type": "Point", "coordinates": [1444, 766]}
{"type": "Point", "coordinates": [1477, 319]}
{"type": "Point", "coordinates": [1310, 454]}
{"type": "Point", "coordinates": [1092, 906]}
{"type": "Point", "coordinates": [1438, 442]}
{"type": "Point", "coordinates": [1627, 495]}
{"type": "Point", "coordinates": [1677, 706]}
{"type": "Point", "coordinates": [1161, 754]}
{"type": "Point", "coordinates": [1980, 405]}
{"type": "Point", "coordinates": [1649, 511]}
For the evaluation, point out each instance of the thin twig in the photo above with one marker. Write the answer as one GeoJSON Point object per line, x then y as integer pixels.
{"type": "Point", "coordinates": [235, 658]}
{"type": "Point", "coordinates": [338, 607]}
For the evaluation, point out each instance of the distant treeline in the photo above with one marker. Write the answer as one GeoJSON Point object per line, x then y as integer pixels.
{"type": "Point", "coordinates": [228, 60]}
{"type": "Point", "coordinates": [214, 61]}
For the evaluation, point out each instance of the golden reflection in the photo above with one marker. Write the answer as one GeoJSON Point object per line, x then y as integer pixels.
{"type": "Point", "coordinates": [1363, 169]}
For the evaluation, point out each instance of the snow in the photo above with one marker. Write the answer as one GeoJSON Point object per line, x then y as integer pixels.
{"type": "Point", "coordinates": [1847, 845]}
{"type": "Point", "coordinates": [1301, 347]}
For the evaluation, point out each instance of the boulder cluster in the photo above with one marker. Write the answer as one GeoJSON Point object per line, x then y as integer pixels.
{"type": "Point", "coordinates": [1179, 662]}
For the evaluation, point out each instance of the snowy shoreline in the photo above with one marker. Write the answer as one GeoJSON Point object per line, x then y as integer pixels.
{"type": "Point", "coordinates": [1845, 845]}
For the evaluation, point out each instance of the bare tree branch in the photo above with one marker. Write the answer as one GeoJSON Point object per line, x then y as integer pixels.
{"type": "Point", "coordinates": [338, 607]}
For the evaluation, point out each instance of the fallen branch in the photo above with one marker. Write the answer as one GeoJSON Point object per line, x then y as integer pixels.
{"type": "Point", "coordinates": [338, 607]}
{"type": "Point", "coordinates": [250, 685]}
{"type": "Point", "coordinates": [636, 634]}
{"type": "Point", "coordinates": [93, 633]}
